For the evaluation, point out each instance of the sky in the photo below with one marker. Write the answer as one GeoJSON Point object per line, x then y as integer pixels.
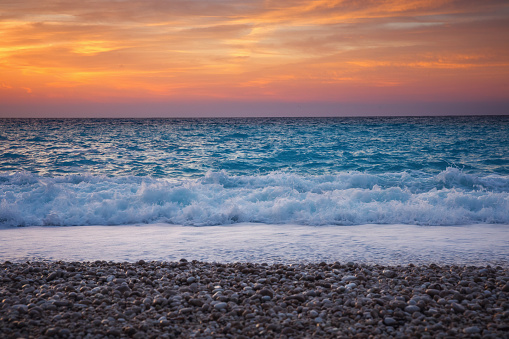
{"type": "Point", "coordinates": [155, 58]}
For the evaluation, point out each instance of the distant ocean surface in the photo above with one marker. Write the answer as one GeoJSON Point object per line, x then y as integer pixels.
{"type": "Point", "coordinates": [306, 171]}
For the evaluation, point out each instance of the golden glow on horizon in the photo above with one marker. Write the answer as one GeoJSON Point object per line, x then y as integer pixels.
{"type": "Point", "coordinates": [288, 50]}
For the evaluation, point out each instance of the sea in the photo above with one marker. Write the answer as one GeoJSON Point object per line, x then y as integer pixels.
{"type": "Point", "coordinates": [376, 189]}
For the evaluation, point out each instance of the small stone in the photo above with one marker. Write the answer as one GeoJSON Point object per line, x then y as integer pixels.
{"type": "Point", "coordinates": [310, 294]}
{"type": "Point", "coordinates": [159, 301]}
{"type": "Point", "coordinates": [123, 288]}
{"type": "Point", "coordinates": [185, 310]}
{"type": "Point", "coordinates": [52, 276]}
{"type": "Point", "coordinates": [64, 333]}
{"type": "Point", "coordinates": [397, 304]}
{"type": "Point", "coordinates": [34, 313]}
{"type": "Point", "coordinates": [61, 303]}
{"type": "Point", "coordinates": [432, 292]}
{"type": "Point", "coordinates": [287, 330]}
{"type": "Point", "coordinates": [196, 302]}
{"type": "Point", "coordinates": [191, 280]}
{"type": "Point", "coordinates": [389, 273]}
{"type": "Point", "coordinates": [114, 332]}
{"type": "Point", "coordinates": [20, 308]}
{"type": "Point", "coordinates": [163, 321]}
{"type": "Point", "coordinates": [267, 292]}
{"type": "Point", "coordinates": [472, 330]}
{"type": "Point", "coordinates": [412, 308]}
{"type": "Point", "coordinates": [52, 331]}
{"type": "Point", "coordinates": [298, 297]}
{"type": "Point", "coordinates": [349, 278]}
{"type": "Point", "coordinates": [458, 308]}
{"type": "Point", "coordinates": [318, 320]}
{"type": "Point", "coordinates": [220, 306]}
{"type": "Point", "coordinates": [390, 321]}
{"type": "Point", "coordinates": [129, 330]}
{"type": "Point", "coordinates": [313, 314]}
{"type": "Point", "coordinates": [505, 288]}
{"type": "Point", "coordinates": [351, 286]}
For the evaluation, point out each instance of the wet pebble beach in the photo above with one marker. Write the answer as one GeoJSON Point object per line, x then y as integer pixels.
{"type": "Point", "coordinates": [244, 300]}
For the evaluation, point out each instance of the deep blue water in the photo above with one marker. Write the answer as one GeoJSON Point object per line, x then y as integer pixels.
{"type": "Point", "coordinates": [427, 170]}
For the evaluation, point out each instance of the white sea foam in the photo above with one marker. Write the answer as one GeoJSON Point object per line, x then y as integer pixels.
{"type": "Point", "coordinates": [381, 244]}
{"type": "Point", "coordinates": [349, 198]}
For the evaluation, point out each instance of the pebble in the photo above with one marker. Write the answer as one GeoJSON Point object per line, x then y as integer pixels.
{"type": "Point", "coordinates": [412, 308]}
{"type": "Point", "coordinates": [20, 308]}
{"type": "Point", "coordinates": [266, 292]}
{"type": "Point", "coordinates": [349, 278]}
{"type": "Point", "coordinates": [196, 302]}
{"type": "Point", "coordinates": [220, 306]}
{"type": "Point", "coordinates": [458, 308]}
{"type": "Point", "coordinates": [244, 300]}
{"type": "Point", "coordinates": [52, 331]}
{"type": "Point", "coordinates": [472, 330]}
{"type": "Point", "coordinates": [389, 273]}
{"type": "Point", "coordinates": [390, 321]}
{"type": "Point", "coordinates": [432, 292]}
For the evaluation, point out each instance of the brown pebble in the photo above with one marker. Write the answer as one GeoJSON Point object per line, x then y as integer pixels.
{"type": "Point", "coordinates": [432, 292]}
{"type": "Point", "coordinates": [287, 330]}
{"type": "Point", "coordinates": [196, 302]}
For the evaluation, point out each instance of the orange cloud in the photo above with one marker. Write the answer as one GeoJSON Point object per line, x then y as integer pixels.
{"type": "Point", "coordinates": [290, 50]}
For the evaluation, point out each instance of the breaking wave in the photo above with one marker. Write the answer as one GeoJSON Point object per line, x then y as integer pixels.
{"type": "Point", "coordinates": [348, 198]}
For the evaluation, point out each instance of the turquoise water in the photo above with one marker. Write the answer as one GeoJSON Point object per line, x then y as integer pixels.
{"type": "Point", "coordinates": [317, 171]}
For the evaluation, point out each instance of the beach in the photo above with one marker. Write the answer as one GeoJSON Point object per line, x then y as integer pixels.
{"type": "Point", "coordinates": [245, 300]}
{"type": "Point", "coordinates": [248, 280]}
{"type": "Point", "coordinates": [241, 228]}
{"type": "Point", "coordinates": [254, 169]}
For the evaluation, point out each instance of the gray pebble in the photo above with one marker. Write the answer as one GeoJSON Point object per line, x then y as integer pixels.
{"type": "Point", "coordinates": [349, 278]}
{"type": "Point", "coordinates": [220, 306]}
{"type": "Point", "coordinates": [412, 308]}
{"type": "Point", "coordinates": [472, 330]}
{"type": "Point", "coordinates": [390, 321]}
{"type": "Point", "coordinates": [458, 308]}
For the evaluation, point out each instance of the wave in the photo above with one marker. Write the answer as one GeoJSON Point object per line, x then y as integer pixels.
{"type": "Point", "coordinates": [348, 198]}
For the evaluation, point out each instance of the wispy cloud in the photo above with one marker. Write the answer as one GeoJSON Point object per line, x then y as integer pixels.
{"type": "Point", "coordinates": [255, 50]}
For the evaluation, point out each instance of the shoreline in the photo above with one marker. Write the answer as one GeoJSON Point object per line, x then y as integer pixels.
{"type": "Point", "coordinates": [478, 245]}
{"type": "Point", "coordinates": [199, 299]}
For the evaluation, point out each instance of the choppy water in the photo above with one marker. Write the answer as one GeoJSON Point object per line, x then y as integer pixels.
{"type": "Point", "coordinates": [323, 171]}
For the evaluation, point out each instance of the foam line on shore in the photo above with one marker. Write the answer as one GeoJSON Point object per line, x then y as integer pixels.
{"type": "Point", "coordinates": [382, 244]}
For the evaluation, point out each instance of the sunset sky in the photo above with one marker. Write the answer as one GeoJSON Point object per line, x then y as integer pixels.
{"type": "Point", "coordinates": [253, 57]}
